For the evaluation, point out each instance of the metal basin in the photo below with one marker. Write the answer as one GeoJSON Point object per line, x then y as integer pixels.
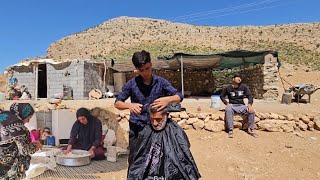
{"type": "Point", "coordinates": [78, 158]}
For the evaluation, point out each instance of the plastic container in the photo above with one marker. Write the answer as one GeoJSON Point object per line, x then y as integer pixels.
{"type": "Point", "coordinates": [215, 102]}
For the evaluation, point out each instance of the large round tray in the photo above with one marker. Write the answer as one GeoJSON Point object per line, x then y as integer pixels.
{"type": "Point", "coordinates": [82, 158]}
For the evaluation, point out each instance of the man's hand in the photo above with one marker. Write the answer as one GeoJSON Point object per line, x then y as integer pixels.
{"type": "Point", "coordinates": [161, 103]}
{"type": "Point", "coordinates": [250, 109]}
{"type": "Point", "coordinates": [135, 108]}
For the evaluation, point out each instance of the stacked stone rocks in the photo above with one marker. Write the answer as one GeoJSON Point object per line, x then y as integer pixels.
{"type": "Point", "coordinates": [110, 122]}
{"type": "Point", "coordinates": [214, 122]}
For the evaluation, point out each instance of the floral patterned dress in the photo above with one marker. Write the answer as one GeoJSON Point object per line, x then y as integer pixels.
{"type": "Point", "coordinates": [15, 147]}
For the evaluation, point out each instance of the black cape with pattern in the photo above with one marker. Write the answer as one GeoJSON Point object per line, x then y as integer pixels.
{"type": "Point", "coordinates": [160, 155]}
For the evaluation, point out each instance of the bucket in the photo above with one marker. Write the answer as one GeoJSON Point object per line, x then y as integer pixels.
{"type": "Point", "coordinates": [51, 141]}
{"type": "Point", "coordinates": [215, 101]}
{"type": "Point", "coordinates": [111, 154]}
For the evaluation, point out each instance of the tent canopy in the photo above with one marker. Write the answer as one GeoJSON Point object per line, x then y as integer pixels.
{"type": "Point", "coordinates": [216, 61]}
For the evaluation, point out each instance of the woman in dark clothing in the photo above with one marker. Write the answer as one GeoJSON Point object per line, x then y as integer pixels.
{"type": "Point", "coordinates": [15, 142]}
{"type": "Point", "coordinates": [163, 152]}
{"type": "Point", "coordinates": [86, 134]}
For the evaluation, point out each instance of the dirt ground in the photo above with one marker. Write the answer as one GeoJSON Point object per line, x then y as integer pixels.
{"type": "Point", "coordinates": [271, 156]}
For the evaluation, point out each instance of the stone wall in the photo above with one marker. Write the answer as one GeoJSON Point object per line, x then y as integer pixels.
{"type": "Point", "coordinates": [26, 76]}
{"type": "Point", "coordinates": [271, 77]}
{"type": "Point", "coordinates": [196, 82]}
{"type": "Point", "coordinates": [214, 122]}
{"type": "Point", "coordinates": [111, 121]}
{"type": "Point", "coordinates": [71, 74]}
{"type": "Point", "coordinates": [252, 76]}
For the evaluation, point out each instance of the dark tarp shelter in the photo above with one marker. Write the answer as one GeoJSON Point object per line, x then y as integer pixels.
{"type": "Point", "coordinates": [182, 61]}
{"type": "Point", "coordinates": [216, 61]}
{"type": "Point", "coordinates": [225, 60]}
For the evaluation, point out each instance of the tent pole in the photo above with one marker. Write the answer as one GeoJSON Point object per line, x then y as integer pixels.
{"type": "Point", "coordinates": [35, 67]}
{"type": "Point", "coordinates": [104, 76]}
{"type": "Point", "coordinates": [182, 84]}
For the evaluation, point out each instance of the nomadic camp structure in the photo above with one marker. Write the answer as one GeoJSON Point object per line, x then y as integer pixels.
{"type": "Point", "coordinates": [45, 77]}
{"type": "Point", "coordinates": [190, 73]}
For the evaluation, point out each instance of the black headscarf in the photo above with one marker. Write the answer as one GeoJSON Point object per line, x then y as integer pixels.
{"type": "Point", "coordinates": [86, 135]}
{"type": "Point", "coordinates": [84, 112]}
{"type": "Point", "coordinates": [22, 110]}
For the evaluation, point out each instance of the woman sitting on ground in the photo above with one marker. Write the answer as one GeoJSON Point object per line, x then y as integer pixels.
{"type": "Point", "coordinates": [86, 135]}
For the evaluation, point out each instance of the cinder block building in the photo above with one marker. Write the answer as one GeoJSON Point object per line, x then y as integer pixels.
{"type": "Point", "coordinates": [45, 77]}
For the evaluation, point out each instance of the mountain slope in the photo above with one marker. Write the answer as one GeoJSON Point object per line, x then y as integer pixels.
{"type": "Point", "coordinates": [120, 37]}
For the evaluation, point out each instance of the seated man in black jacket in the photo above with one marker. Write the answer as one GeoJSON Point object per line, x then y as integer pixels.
{"type": "Point", "coordinates": [236, 92]}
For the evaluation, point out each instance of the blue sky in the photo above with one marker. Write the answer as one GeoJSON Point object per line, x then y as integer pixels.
{"type": "Point", "coordinates": [28, 27]}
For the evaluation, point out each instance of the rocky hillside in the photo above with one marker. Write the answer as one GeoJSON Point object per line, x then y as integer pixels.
{"type": "Point", "coordinates": [120, 37]}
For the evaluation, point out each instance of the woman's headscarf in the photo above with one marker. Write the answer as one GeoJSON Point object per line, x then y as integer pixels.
{"type": "Point", "coordinates": [22, 110]}
{"type": "Point", "coordinates": [12, 128]}
{"type": "Point", "coordinates": [83, 112]}
{"type": "Point", "coordinates": [85, 134]}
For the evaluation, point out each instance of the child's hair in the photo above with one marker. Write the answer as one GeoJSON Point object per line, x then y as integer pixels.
{"type": "Point", "coordinates": [141, 58]}
{"type": "Point", "coordinates": [47, 128]}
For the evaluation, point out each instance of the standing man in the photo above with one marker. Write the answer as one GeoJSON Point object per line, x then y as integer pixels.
{"type": "Point", "coordinates": [146, 90]}
{"type": "Point", "coordinates": [236, 92]}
